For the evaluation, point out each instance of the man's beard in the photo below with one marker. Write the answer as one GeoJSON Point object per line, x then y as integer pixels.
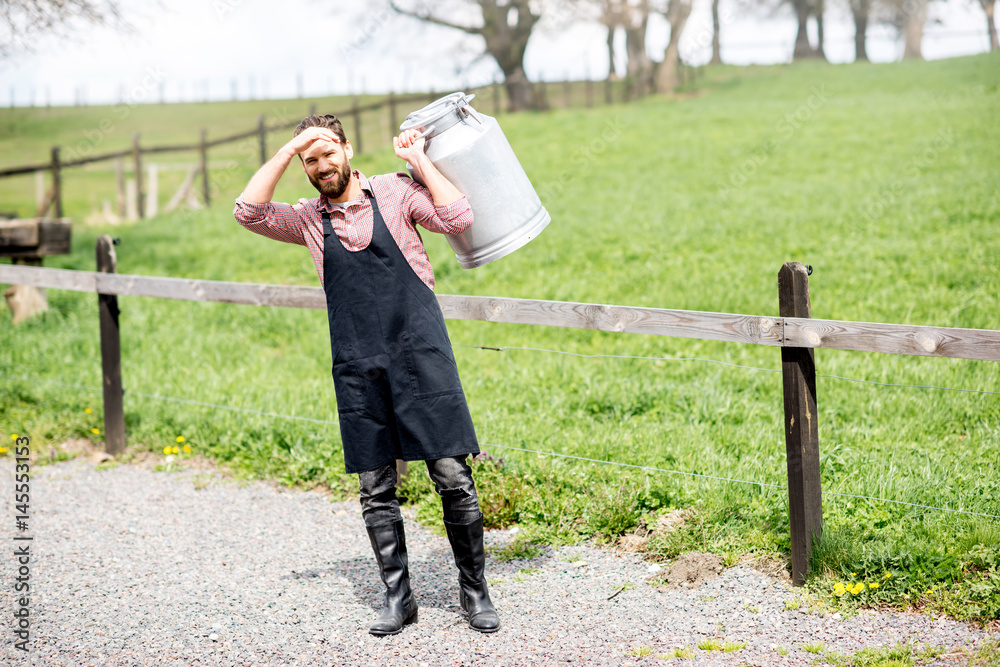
{"type": "Point", "coordinates": [333, 189]}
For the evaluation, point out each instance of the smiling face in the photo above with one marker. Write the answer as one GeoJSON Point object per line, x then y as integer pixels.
{"type": "Point", "coordinates": [328, 166]}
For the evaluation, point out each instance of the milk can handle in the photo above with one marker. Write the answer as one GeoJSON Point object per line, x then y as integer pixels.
{"type": "Point", "coordinates": [430, 128]}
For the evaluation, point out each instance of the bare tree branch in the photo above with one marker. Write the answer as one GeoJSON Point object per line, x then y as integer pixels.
{"type": "Point", "coordinates": [23, 21]}
{"type": "Point", "coordinates": [506, 28]}
{"type": "Point", "coordinates": [424, 14]}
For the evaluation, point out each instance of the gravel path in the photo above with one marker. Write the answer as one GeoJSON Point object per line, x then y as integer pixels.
{"type": "Point", "coordinates": [135, 567]}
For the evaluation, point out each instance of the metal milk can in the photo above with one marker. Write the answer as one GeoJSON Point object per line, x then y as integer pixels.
{"type": "Point", "coordinates": [470, 149]}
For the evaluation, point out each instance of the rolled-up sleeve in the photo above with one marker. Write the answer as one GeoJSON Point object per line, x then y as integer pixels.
{"type": "Point", "coordinates": [278, 221]}
{"type": "Point", "coordinates": [453, 218]}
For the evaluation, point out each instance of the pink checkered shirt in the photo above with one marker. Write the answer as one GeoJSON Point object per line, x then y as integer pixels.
{"type": "Point", "coordinates": [401, 201]}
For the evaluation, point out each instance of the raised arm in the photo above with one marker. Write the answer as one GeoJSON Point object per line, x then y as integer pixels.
{"type": "Point", "coordinates": [411, 149]}
{"type": "Point", "coordinates": [260, 189]}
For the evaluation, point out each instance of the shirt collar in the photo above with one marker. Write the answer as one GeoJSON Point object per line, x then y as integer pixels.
{"type": "Point", "coordinates": [325, 205]}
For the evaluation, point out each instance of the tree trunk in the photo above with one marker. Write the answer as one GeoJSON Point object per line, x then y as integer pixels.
{"type": "Point", "coordinates": [991, 23]}
{"type": "Point", "coordinates": [639, 64]}
{"type": "Point", "coordinates": [520, 92]}
{"type": "Point", "coordinates": [716, 49]}
{"type": "Point", "coordinates": [820, 7]}
{"type": "Point", "coordinates": [802, 47]}
{"type": "Point", "coordinates": [611, 53]}
{"type": "Point", "coordinates": [667, 76]}
{"type": "Point", "coordinates": [860, 10]}
{"type": "Point", "coordinates": [507, 26]}
{"type": "Point", "coordinates": [915, 15]}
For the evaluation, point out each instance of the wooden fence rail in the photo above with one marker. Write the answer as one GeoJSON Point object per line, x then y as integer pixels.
{"type": "Point", "coordinates": [904, 339]}
{"type": "Point", "coordinates": [794, 332]}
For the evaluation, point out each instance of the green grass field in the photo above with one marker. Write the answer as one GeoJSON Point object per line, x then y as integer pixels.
{"type": "Point", "coordinates": [885, 178]}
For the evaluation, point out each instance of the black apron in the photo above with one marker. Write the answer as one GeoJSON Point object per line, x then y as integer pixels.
{"type": "Point", "coordinates": [398, 391]}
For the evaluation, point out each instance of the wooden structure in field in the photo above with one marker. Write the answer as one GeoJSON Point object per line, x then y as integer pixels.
{"type": "Point", "coordinates": [28, 241]}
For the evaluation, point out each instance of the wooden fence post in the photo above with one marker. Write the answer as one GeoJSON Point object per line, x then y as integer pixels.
{"type": "Point", "coordinates": [262, 138]}
{"type": "Point", "coordinates": [393, 125]}
{"type": "Point", "coordinates": [137, 157]}
{"type": "Point", "coordinates": [56, 184]}
{"type": "Point", "coordinates": [122, 202]}
{"type": "Point", "coordinates": [204, 167]}
{"type": "Point", "coordinates": [607, 90]}
{"type": "Point", "coordinates": [798, 369]}
{"type": "Point", "coordinates": [496, 95]}
{"type": "Point", "coordinates": [357, 125]}
{"type": "Point", "coordinates": [111, 358]}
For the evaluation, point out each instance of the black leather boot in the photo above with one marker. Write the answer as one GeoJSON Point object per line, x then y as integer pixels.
{"type": "Point", "coordinates": [389, 544]}
{"type": "Point", "coordinates": [470, 557]}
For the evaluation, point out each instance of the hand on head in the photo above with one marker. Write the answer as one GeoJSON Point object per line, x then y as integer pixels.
{"type": "Point", "coordinates": [311, 135]}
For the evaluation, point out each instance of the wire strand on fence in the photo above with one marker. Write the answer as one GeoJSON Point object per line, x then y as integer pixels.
{"type": "Point", "coordinates": [724, 363]}
{"type": "Point", "coordinates": [737, 481]}
{"type": "Point", "coordinates": [518, 449]}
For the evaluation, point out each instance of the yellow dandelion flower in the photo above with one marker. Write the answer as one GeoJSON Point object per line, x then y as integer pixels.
{"type": "Point", "coordinates": [87, 410]}
{"type": "Point", "coordinates": [13, 436]}
{"type": "Point", "coordinates": [874, 584]}
{"type": "Point", "coordinates": [3, 450]}
{"type": "Point", "coordinates": [95, 430]}
{"type": "Point", "coordinates": [180, 438]}
{"type": "Point", "coordinates": [857, 588]}
{"type": "Point", "coordinates": [174, 450]}
{"type": "Point", "coordinates": [187, 449]}
{"type": "Point", "coordinates": [166, 450]}
{"type": "Point", "coordinates": [854, 574]}
{"type": "Point", "coordinates": [887, 575]}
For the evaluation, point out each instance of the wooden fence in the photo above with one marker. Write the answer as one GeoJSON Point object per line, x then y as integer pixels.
{"type": "Point", "coordinates": [794, 331]}
{"type": "Point", "coordinates": [356, 119]}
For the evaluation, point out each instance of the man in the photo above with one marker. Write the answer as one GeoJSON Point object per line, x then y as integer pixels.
{"type": "Point", "coordinates": [397, 384]}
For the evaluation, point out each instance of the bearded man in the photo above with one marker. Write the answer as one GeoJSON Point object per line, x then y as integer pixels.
{"type": "Point", "coordinates": [398, 391]}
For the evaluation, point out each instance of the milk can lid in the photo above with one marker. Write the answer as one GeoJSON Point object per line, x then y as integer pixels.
{"type": "Point", "coordinates": [440, 114]}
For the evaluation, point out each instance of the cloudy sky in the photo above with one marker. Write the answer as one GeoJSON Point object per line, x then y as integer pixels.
{"type": "Point", "coordinates": [195, 49]}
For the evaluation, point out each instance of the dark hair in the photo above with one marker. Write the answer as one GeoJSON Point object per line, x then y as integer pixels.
{"type": "Point", "coordinates": [326, 120]}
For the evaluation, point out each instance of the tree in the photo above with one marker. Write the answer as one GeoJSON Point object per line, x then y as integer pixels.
{"type": "Point", "coordinates": [716, 26]}
{"type": "Point", "coordinates": [914, 18]}
{"type": "Point", "coordinates": [676, 13]}
{"type": "Point", "coordinates": [505, 27]}
{"type": "Point", "coordinates": [632, 16]}
{"type": "Point", "coordinates": [908, 17]}
{"type": "Point", "coordinates": [861, 11]}
{"type": "Point", "coordinates": [804, 10]}
{"type": "Point", "coordinates": [23, 21]}
{"type": "Point", "coordinates": [991, 23]}
{"type": "Point", "coordinates": [611, 17]}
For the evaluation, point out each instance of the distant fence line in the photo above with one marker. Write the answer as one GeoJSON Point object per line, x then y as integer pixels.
{"type": "Point", "coordinates": [256, 88]}
{"type": "Point", "coordinates": [134, 202]}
